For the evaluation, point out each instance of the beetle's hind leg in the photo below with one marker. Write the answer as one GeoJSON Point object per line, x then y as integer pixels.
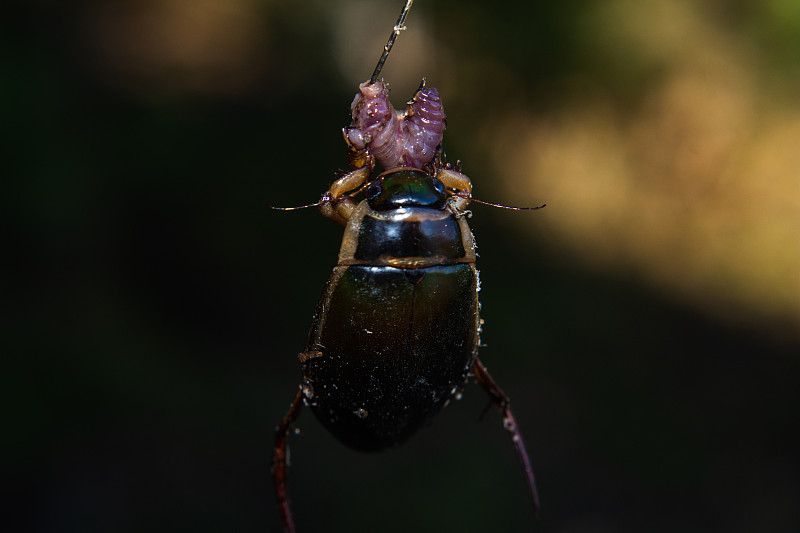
{"type": "Point", "coordinates": [500, 399]}
{"type": "Point", "coordinates": [280, 463]}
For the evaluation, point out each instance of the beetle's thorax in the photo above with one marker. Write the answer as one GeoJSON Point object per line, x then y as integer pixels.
{"type": "Point", "coordinates": [406, 222]}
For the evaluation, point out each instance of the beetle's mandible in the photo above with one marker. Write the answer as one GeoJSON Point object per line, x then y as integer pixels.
{"type": "Point", "coordinates": [395, 334]}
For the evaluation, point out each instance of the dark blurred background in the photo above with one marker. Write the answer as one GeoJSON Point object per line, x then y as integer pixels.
{"type": "Point", "coordinates": [645, 324]}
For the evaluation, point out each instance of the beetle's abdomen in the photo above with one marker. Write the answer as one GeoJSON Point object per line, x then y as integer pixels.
{"type": "Point", "coordinates": [388, 347]}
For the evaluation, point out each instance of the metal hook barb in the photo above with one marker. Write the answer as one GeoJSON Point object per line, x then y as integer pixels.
{"type": "Point", "coordinates": [398, 27]}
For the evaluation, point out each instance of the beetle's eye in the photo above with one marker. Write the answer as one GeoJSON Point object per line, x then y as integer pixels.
{"type": "Point", "coordinates": [373, 191]}
{"type": "Point", "coordinates": [438, 185]}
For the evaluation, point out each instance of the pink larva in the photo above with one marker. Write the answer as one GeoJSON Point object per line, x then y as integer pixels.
{"type": "Point", "coordinates": [397, 138]}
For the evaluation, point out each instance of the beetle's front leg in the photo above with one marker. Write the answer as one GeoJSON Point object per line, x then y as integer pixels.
{"type": "Point", "coordinates": [337, 207]}
{"type": "Point", "coordinates": [458, 181]}
{"type": "Point", "coordinates": [279, 462]}
{"type": "Point", "coordinates": [500, 399]}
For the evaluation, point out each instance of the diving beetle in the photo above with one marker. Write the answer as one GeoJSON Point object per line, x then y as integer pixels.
{"type": "Point", "coordinates": [395, 335]}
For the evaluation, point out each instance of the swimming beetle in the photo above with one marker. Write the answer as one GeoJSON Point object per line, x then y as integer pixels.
{"type": "Point", "coordinates": [395, 335]}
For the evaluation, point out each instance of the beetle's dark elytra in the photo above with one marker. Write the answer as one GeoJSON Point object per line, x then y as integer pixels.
{"type": "Point", "coordinates": [384, 362]}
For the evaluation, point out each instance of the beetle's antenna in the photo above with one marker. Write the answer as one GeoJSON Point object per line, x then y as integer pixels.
{"type": "Point", "coordinates": [471, 199]}
{"type": "Point", "coordinates": [398, 27]}
{"type": "Point", "coordinates": [325, 199]}
{"type": "Point", "coordinates": [294, 208]}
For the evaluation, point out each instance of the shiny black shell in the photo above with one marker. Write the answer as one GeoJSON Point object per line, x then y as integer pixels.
{"type": "Point", "coordinates": [396, 330]}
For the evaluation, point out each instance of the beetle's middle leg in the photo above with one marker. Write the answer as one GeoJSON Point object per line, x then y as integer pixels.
{"type": "Point", "coordinates": [279, 462]}
{"type": "Point", "coordinates": [500, 399]}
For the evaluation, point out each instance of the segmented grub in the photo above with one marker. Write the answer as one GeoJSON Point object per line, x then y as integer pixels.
{"type": "Point", "coordinates": [397, 138]}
